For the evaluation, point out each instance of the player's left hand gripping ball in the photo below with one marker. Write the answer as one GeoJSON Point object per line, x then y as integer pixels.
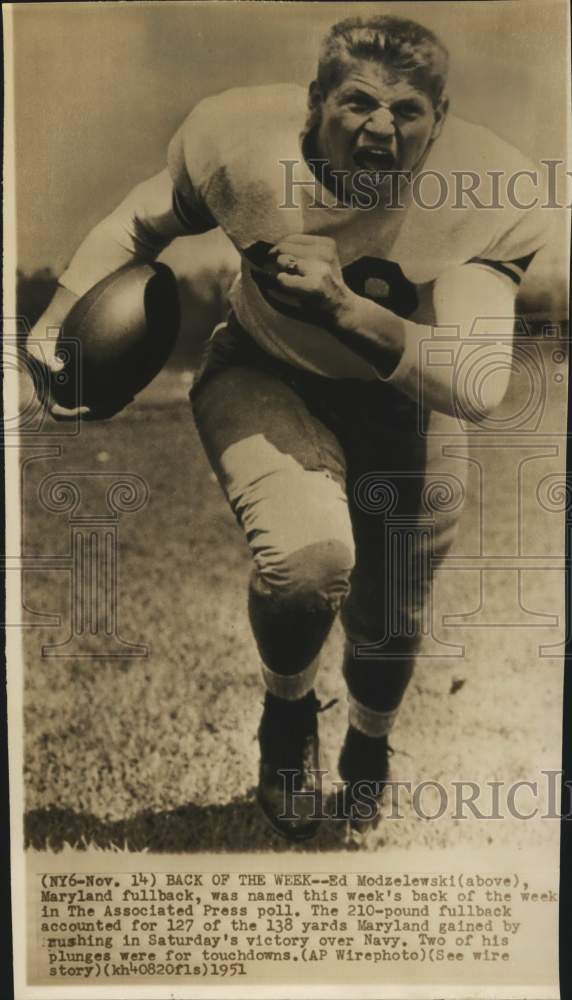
{"type": "Point", "coordinates": [310, 271]}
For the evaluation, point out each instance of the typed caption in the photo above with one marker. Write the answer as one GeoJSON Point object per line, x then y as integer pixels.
{"type": "Point", "coordinates": [193, 926]}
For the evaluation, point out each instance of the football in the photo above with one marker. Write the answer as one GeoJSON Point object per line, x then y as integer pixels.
{"type": "Point", "coordinates": [116, 338]}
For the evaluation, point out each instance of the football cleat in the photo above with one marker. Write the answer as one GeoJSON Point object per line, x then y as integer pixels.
{"type": "Point", "coordinates": [364, 769]}
{"type": "Point", "coordinates": [289, 787]}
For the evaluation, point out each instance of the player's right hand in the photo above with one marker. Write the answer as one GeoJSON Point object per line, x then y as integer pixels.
{"type": "Point", "coordinates": [43, 349]}
{"type": "Point", "coordinates": [46, 367]}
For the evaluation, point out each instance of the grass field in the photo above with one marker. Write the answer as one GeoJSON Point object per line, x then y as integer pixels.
{"type": "Point", "coordinates": [159, 752]}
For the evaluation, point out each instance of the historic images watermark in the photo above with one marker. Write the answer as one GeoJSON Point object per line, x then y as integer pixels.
{"type": "Point", "coordinates": [429, 799]}
{"type": "Point", "coordinates": [427, 189]}
{"type": "Point", "coordinates": [90, 505]}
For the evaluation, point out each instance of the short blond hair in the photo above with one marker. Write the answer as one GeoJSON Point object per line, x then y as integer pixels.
{"type": "Point", "coordinates": [403, 46]}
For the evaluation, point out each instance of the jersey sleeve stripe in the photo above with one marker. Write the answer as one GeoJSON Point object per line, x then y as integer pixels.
{"type": "Point", "coordinates": [514, 269]}
{"type": "Point", "coordinates": [193, 220]}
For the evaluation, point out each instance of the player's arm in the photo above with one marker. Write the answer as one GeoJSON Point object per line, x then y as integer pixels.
{"type": "Point", "coordinates": [473, 299]}
{"type": "Point", "coordinates": [141, 226]}
{"type": "Point", "coordinates": [145, 222]}
{"type": "Point", "coordinates": [461, 366]}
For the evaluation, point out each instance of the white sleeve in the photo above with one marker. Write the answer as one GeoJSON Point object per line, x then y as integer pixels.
{"type": "Point", "coordinates": [138, 229]}
{"type": "Point", "coordinates": [462, 365]}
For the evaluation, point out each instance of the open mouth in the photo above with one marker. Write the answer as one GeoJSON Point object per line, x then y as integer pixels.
{"type": "Point", "coordinates": [374, 159]}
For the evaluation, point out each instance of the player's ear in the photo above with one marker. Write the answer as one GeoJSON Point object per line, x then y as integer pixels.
{"type": "Point", "coordinates": [440, 115]}
{"type": "Point", "coordinates": [314, 102]}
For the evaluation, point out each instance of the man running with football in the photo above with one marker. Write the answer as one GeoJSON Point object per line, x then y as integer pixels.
{"type": "Point", "coordinates": [320, 385]}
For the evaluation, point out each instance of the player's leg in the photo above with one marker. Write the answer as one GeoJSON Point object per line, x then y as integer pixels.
{"type": "Point", "coordinates": [400, 541]}
{"type": "Point", "coordinates": [283, 473]}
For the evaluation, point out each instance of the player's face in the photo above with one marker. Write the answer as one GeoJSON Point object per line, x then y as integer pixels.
{"type": "Point", "coordinates": [374, 121]}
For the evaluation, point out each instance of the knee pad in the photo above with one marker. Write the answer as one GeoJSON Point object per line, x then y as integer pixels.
{"type": "Point", "coordinates": [299, 531]}
{"type": "Point", "coordinates": [316, 576]}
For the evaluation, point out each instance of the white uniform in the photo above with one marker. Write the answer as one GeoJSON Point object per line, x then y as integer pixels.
{"type": "Point", "coordinates": [229, 162]}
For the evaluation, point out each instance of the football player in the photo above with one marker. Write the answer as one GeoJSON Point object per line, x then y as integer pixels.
{"type": "Point", "coordinates": [320, 408]}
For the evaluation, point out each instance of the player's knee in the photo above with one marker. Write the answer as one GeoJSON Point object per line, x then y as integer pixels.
{"type": "Point", "coordinates": [300, 534]}
{"type": "Point", "coordinates": [316, 575]}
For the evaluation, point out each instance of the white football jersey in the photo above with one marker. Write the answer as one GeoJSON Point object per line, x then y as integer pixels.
{"type": "Point", "coordinates": [233, 161]}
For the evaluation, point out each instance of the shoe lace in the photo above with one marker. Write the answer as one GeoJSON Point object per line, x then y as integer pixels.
{"type": "Point", "coordinates": [330, 704]}
{"type": "Point", "coordinates": [307, 742]}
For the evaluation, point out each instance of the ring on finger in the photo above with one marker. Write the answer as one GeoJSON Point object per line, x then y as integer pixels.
{"type": "Point", "coordinates": [291, 265]}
